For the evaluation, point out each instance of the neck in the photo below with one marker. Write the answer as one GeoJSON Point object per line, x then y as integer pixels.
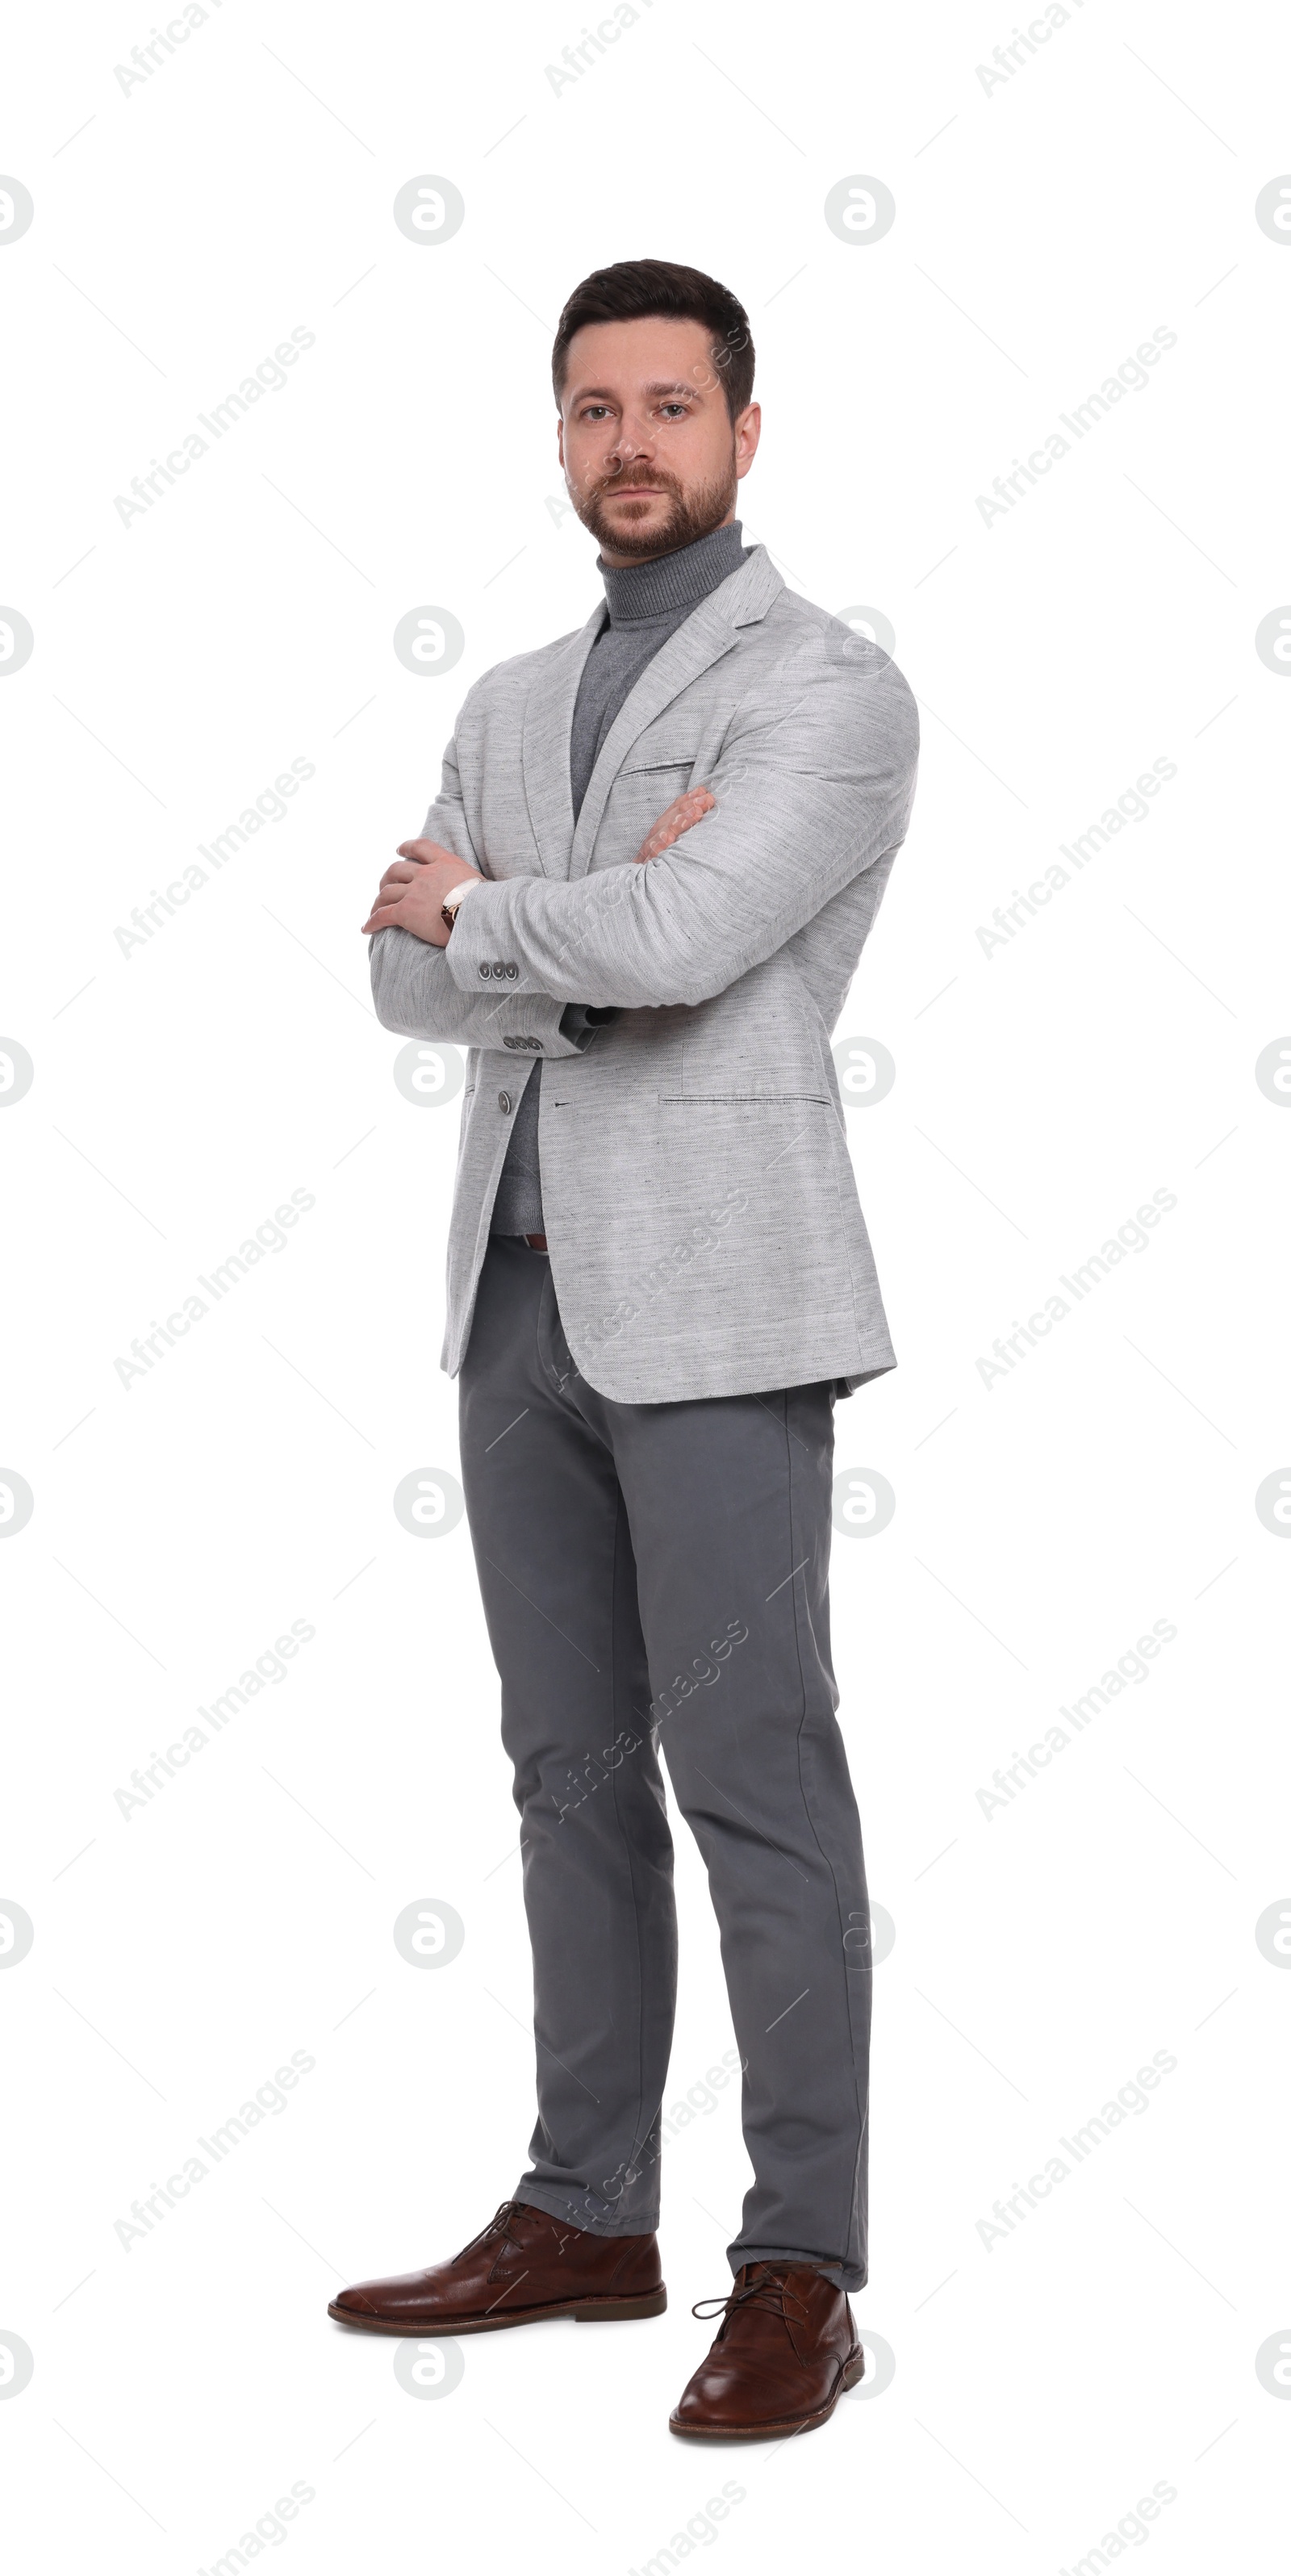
{"type": "Point", "coordinates": [638, 591]}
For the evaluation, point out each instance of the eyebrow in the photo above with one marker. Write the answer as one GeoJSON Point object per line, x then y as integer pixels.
{"type": "Point", "coordinates": [603, 393]}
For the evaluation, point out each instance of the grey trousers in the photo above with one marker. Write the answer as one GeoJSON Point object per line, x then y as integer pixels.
{"type": "Point", "coordinates": [655, 1578]}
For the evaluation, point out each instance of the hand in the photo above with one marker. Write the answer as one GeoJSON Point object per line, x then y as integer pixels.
{"type": "Point", "coordinates": [676, 819]}
{"type": "Point", "coordinates": [412, 892]}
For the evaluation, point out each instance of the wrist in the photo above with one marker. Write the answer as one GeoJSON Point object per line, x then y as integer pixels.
{"type": "Point", "coordinates": [454, 897]}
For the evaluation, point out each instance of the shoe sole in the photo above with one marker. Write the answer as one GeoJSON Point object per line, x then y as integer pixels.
{"type": "Point", "coordinates": [584, 2312]}
{"type": "Point", "coordinates": [852, 2372]}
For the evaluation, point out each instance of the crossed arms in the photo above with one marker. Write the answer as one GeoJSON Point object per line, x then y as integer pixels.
{"type": "Point", "coordinates": [805, 800]}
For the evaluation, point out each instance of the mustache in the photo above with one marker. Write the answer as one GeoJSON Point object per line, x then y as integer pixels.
{"type": "Point", "coordinates": [648, 481]}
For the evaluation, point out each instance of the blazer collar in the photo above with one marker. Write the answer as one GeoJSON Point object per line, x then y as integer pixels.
{"type": "Point", "coordinates": [705, 636]}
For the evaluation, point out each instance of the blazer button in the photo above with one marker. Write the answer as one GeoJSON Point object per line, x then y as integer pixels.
{"type": "Point", "coordinates": [504, 1103]}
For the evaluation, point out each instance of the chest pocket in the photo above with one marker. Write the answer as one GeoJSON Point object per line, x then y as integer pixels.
{"type": "Point", "coordinates": [669, 774]}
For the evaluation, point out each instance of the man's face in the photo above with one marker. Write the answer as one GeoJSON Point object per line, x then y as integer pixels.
{"type": "Point", "coordinates": [650, 453]}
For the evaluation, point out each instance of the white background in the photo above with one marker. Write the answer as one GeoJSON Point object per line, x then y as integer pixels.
{"type": "Point", "coordinates": [1045, 227]}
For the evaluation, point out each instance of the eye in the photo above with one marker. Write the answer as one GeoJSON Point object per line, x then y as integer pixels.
{"type": "Point", "coordinates": [674, 409]}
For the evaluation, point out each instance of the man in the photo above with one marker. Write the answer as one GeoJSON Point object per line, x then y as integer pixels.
{"type": "Point", "coordinates": [640, 899]}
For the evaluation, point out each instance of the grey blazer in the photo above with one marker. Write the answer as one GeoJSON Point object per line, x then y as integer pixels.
{"type": "Point", "coordinates": [705, 1233]}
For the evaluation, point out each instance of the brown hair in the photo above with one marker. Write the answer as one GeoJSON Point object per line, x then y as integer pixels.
{"type": "Point", "coordinates": [636, 288]}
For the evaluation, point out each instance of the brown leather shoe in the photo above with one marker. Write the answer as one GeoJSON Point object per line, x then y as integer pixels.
{"type": "Point", "coordinates": [521, 2267]}
{"type": "Point", "coordinates": [786, 2349]}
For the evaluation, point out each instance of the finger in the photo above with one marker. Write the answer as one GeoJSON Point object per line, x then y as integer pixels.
{"type": "Point", "coordinates": [382, 917]}
{"type": "Point", "coordinates": [394, 884]}
{"type": "Point", "coordinates": [422, 851]}
{"type": "Point", "coordinates": [679, 817]}
{"type": "Point", "coordinates": [685, 810]}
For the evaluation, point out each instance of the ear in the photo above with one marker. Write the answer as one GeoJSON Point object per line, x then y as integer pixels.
{"type": "Point", "coordinates": [748, 430]}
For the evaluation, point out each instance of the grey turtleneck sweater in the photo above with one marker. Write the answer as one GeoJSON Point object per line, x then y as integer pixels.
{"type": "Point", "coordinates": [647, 603]}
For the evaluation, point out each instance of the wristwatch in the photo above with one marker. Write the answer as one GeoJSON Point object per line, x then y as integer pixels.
{"type": "Point", "coordinates": [448, 908]}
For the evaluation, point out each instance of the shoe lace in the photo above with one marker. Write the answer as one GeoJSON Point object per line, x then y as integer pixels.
{"type": "Point", "coordinates": [499, 2225]}
{"type": "Point", "coordinates": [768, 2290]}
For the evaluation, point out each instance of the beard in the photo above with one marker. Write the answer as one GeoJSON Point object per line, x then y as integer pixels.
{"type": "Point", "coordinates": [694, 513]}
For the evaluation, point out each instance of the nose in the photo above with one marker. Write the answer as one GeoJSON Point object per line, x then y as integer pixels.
{"type": "Point", "coordinates": [632, 443]}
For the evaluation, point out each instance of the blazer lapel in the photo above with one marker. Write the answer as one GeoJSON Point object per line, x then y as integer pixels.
{"type": "Point", "coordinates": [703, 638]}
{"type": "Point", "coordinates": [548, 719]}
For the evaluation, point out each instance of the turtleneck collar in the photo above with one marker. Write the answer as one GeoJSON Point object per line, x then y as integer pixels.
{"type": "Point", "coordinates": [638, 592]}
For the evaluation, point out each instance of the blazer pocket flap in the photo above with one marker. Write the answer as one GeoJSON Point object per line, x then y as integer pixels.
{"type": "Point", "coordinates": [764, 1088]}
{"type": "Point", "coordinates": [658, 763]}
{"type": "Point", "coordinates": [784, 1072]}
